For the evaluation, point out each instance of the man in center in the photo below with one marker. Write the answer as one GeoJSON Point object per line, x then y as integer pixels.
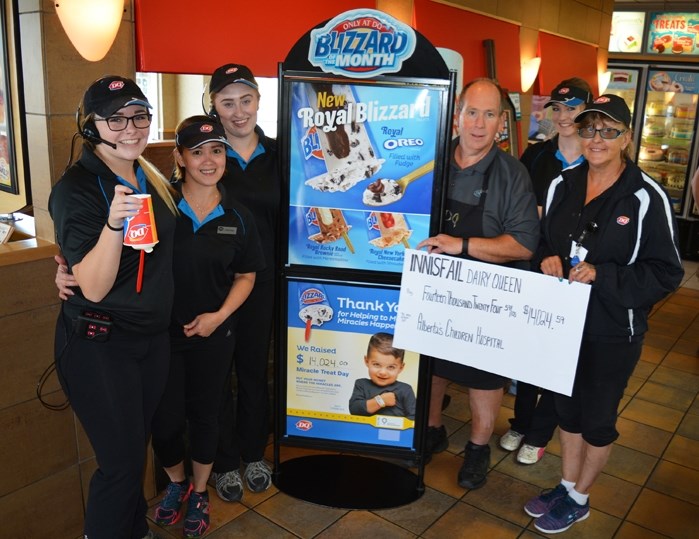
{"type": "Point", "coordinates": [490, 216]}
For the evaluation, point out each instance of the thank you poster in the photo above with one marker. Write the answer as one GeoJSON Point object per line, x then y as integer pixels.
{"type": "Point", "coordinates": [334, 374]}
{"type": "Point", "coordinates": [515, 323]}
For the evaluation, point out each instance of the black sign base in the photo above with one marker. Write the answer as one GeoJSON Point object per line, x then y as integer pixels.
{"type": "Point", "coordinates": [348, 482]}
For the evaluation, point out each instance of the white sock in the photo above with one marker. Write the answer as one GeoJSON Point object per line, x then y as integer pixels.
{"type": "Point", "coordinates": [567, 484]}
{"type": "Point", "coordinates": [580, 499]}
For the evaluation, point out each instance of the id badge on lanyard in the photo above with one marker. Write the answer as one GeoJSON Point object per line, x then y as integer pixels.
{"type": "Point", "coordinates": [578, 253]}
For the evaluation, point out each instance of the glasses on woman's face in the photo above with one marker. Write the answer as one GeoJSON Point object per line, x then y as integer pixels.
{"type": "Point", "coordinates": [119, 123]}
{"type": "Point", "coordinates": [607, 133]}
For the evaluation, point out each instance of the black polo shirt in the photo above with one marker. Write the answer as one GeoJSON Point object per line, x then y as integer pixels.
{"type": "Point", "coordinates": [257, 185]}
{"type": "Point", "coordinates": [207, 259]}
{"type": "Point", "coordinates": [79, 206]}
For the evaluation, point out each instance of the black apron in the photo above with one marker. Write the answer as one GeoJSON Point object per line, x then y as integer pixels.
{"type": "Point", "coordinates": [465, 221]}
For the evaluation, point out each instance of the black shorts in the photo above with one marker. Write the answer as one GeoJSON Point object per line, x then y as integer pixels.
{"type": "Point", "coordinates": [603, 371]}
{"type": "Point", "coordinates": [467, 376]}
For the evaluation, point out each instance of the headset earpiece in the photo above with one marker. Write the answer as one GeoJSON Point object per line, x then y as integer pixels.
{"type": "Point", "coordinates": [90, 131]}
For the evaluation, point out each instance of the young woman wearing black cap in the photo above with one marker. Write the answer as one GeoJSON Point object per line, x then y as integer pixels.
{"type": "Point", "coordinates": [112, 344]}
{"type": "Point", "coordinates": [217, 253]}
{"type": "Point", "coordinates": [607, 224]}
{"type": "Point", "coordinates": [252, 177]}
{"type": "Point", "coordinates": [534, 420]}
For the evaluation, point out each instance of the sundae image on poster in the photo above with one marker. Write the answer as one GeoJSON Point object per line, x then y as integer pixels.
{"type": "Point", "coordinates": [353, 239]}
{"type": "Point", "coordinates": [388, 230]}
{"type": "Point", "coordinates": [314, 308]}
{"type": "Point", "coordinates": [348, 154]}
{"type": "Point", "coordinates": [345, 381]}
{"type": "Point", "coordinates": [327, 225]}
{"type": "Point", "coordinates": [382, 393]}
{"type": "Point", "coordinates": [345, 137]}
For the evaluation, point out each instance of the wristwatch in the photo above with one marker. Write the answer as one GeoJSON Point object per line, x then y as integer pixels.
{"type": "Point", "coordinates": [464, 246]}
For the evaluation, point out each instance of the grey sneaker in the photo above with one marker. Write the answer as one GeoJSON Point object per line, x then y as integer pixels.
{"type": "Point", "coordinates": [258, 476]}
{"type": "Point", "coordinates": [511, 440]}
{"type": "Point", "coordinates": [229, 485]}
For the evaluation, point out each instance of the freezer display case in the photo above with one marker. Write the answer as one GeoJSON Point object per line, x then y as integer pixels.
{"type": "Point", "coordinates": [664, 101]}
{"type": "Point", "coordinates": [669, 125]}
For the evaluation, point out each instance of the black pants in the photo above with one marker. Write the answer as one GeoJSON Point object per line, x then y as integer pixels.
{"type": "Point", "coordinates": [244, 422]}
{"type": "Point", "coordinates": [535, 416]}
{"type": "Point", "coordinates": [193, 396]}
{"type": "Point", "coordinates": [114, 388]}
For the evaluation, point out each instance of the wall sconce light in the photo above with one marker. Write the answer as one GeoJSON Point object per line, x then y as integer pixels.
{"type": "Point", "coordinates": [91, 25]}
{"type": "Point", "coordinates": [530, 70]}
{"type": "Point", "coordinates": [603, 79]}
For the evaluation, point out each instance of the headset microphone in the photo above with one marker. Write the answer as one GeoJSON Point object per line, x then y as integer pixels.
{"type": "Point", "coordinates": [87, 134]}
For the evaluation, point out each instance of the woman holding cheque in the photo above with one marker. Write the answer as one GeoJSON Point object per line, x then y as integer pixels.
{"type": "Point", "coordinates": [607, 224]}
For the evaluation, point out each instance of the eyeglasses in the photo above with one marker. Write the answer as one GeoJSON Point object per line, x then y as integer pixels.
{"type": "Point", "coordinates": [119, 123]}
{"type": "Point", "coordinates": [607, 133]}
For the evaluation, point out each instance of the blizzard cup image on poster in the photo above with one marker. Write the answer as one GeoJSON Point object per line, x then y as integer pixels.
{"type": "Point", "coordinates": [345, 381]}
{"type": "Point", "coordinates": [362, 162]}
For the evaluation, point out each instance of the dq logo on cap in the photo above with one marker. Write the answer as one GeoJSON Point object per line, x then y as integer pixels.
{"type": "Point", "coordinates": [116, 85]}
{"type": "Point", "coordinates": [564, 91]}
{"type": "Point", "coordinates": [231, 70]}
{"type": "Point", "coordinates": [622, 220]}
{"type": "Point", "coordinates": [602, 99]}
{"type": "Point", "coordinates": [206, 128]}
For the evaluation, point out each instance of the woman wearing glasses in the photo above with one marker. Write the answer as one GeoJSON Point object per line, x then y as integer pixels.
{"type": "Point", "coordinates": [534, 420]}
{"type": "Point", "coordinates": [112, 343]}
{"type": "Point", "coordinates": [607, 224]}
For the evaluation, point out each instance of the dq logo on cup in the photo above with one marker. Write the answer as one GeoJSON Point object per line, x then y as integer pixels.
{"type": "Point", "coordinates": [140, 231]}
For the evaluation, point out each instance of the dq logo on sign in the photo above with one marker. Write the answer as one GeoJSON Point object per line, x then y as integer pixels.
{"type": "Point", "coordinates": [303, 424]}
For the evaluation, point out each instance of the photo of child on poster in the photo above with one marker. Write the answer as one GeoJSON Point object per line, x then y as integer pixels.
{"type": "Point", "coordinates": [336, 333]}
{"type": "Point", "coordinates": [382, 393]}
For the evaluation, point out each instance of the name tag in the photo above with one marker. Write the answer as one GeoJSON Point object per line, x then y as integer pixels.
{"type": "Point", "coordinates": [232, 230]}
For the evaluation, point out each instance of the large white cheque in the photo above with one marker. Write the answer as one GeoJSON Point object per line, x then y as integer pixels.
{"type": "Point", "coordinates": [519, 324]}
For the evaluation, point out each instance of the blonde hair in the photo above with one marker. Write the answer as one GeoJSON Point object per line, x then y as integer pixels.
{"type": "Point", "coordinates": [160, 183]}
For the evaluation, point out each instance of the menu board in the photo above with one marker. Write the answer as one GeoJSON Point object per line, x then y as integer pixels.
{"type": "Point", "coordinates": [673, 34]}
{"type": "Point", "coordinates": [362, 163]}
{"type": "Point", "coordinates": [627, 31]}
{"type": "Point", "coordinates": [331, 370]}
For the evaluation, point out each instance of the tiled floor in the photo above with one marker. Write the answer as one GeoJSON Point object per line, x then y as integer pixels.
{"type": "Point", "coordinates": [649, 488]}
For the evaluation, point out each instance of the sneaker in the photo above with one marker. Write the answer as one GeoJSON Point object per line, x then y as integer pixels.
{"type": "Point", "coordinates": [540, 505]}
{"type": "Point", "coordinates": [258, 476]}
{"type": "Point", "coordinates": [170, 509]}
{"type": "Point", "coordinates": [229, 485]}
{"type": "Point", "coordinates": [436, 440]}
{"type": "Point", "coordinates": [562, 516]}
{"type": "Point", "coordinates": [197, 520]}
{"type": "Point", "coordinates": [530, 454]}
{"type": "Point", "coordinates": [475, 467]}
{"type": "Point", "coordinates": [511, 440]}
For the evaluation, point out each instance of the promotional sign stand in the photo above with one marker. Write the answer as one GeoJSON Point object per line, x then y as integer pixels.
{"type": "Point", "coordinates": [366, 106]}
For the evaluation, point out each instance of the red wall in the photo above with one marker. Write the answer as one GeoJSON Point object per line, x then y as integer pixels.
{"type": "Point", "coordinates": [197, 36]}
{"type": "Point", "coordinates": [464, 32]}
{"type": "Point", "coordinates": [562, 59]}
{"type": "Point", "coordinates": [177, 36]}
